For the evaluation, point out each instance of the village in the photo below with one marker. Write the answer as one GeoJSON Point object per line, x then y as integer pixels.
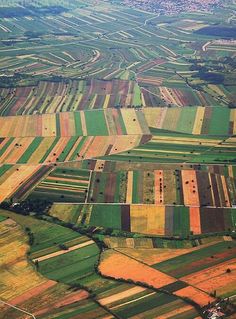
{"type": "Point", "coordinates": [171, 7]}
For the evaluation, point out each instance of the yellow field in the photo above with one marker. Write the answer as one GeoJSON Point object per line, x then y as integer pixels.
{"type": "Point", "coordinates": [199, 120]}
{"type": "Point", "coordinates": [148, 219]}
{"type": "Point", "coordinates": [64, 124]}
{"type": "Point", "coordinates": [16, 150]}
{"type": "Point", "coordinates": [41, 150]}
{"type": "Point", "coordinates": [17, 275]}
{"type": "Point", "coordinates": [154, 116]}
{"type": "Point", "coordinates": [106, 102]}
{"type": "Point", "coordinates": [62, 212]}
{"type": "Point", "coordinates": [131, 122]}
{"type": "Point", "coordinates": [129, 188]}
{"type": "Point", "coordinates": [233, 119]}
{"type": "Point", "coordinates": [14, 179]}
{"type": "Point", "coordinates": [114, 242]}
{"type": "Point", "coordinates": [170, 191]}
{"type": "Point", "coordinates": [121, 295]}
{"type": "Point", "coordinates": [21, 285]}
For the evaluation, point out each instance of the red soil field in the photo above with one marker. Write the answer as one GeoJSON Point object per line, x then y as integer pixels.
{"type": "Point", "coordinates": [117, 265]}
{"type": "Point", "coordinates": [215, 278]}
{"type": "Point", "coordinates": [198, 296]}
{"type": "Point", "coordinates": [190, 188]}
{"type": "Point", "coordinates": [195, 220]}
{"type": "Point", "coordinates": [33, 292]}
{"type": "Point", "coordinates": [67, 300]}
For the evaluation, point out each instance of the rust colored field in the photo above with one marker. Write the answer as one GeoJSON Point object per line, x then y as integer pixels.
{"type": "Point", "coordinates": [33, 292]}
{"type": "Point", "coordinates": [67, 299]}
{"type": "Point", "coordinates": [215, 278]}
{"type": "Point", "coordinates": [58, 149]}
{"type": "Point", "coordinates": [196, 295]}
{"type": "Point", "coordinates": [190, 188]}
{"type": "Point", "coordinates": [159, 187]}
{"type": "Point", "coordinates": [117, 265]}
{"type": "Point", "coordinates": [195, 220]}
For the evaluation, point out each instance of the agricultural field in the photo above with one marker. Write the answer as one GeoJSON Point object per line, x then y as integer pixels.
{"type": "Point", "coordinates": [24, 288]}
{"type": "Point", "coordinates": [50, 97]}
{"type": "Point", "coordinates": [176, 148]}
{"type": "Point", "coordinates": [168, 187]}
{"type": "Point", "coordinates": [111, 296]}
{"type": "Point", "coordinates": [159, 187]}
{"type": "Point", "coordinates": [139, 272]}
{"type": "Point", "coordinates": [108, 122]}
{"type": "Point", "coordinates": [154, 220]}
{"type": "Point", "coordinates": [215, 279]}
{"type": "Point", "coordinates": [208, 273]}
{"type": "Point", "coordinates": [63, 137]}
{"type": "Point", "coordinates": [117, 159]}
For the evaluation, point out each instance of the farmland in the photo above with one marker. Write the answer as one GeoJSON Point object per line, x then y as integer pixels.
{"type": "Point", "coordinates": [117, 159]}
{"type": "Point", "coordinates": [47, 138]}
{"type": "Point", "coordinates": [50, 97]}
{"type": "Point", "coordinates": [110, 294]}
{"type": "Point", "coordinates": [180, 221]}
{"type": "Point", "coordinates": [150, 276]}
{"type": "Point", "coordinates": [26, 288]}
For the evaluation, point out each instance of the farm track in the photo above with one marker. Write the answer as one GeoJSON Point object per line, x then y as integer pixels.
{"type": "Point", "coordinates": [19, 309]}
{"type": "Point", "coordinates": [149, 266]}
{"type": "Point", "coordinates": [146, 285]}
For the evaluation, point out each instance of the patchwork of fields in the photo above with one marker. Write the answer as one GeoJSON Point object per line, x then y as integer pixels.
{"type": "Point", "coordinates": [26, 289]}
{"type": "Point", "coordinates": [63, 137]}
{"type": "Point", "coordinates": [51, 97]}
{"type": "Point", "coordinates": [155, 220]}
{"type": "Point", "coordinates": [170, 206]}
{"type": "Point", "coordinates": [208, 121]}
{"type": "Point", "coordinates": [67, 248]}
{"type": "Point", "coordinates": [117, 159]}
{"type": "Point", "coordinates": [161, 187]}
{"type": "Point", "coordinates": [209, 275]}
{"type": "Point", "coordinates": [84, 123]}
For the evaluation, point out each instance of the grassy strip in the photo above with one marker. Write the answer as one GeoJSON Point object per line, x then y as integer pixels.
{"type": "Point", "coordinates": [30, 150]}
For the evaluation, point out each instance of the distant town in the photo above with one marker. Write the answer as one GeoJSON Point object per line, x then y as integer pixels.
{"type": "Point", "coordinates": [171, 7]}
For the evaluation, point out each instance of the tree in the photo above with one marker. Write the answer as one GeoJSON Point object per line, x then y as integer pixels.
{"type": "Point", "coordinates": [36, 263]}
{"type": "Point", "coordinates": [63, 247]}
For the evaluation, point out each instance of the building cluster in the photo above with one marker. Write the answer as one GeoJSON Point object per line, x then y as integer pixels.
{"type": "Point", "coordinates": [214, 313]}
{"type": "Point", "coordinates": [172, 7]}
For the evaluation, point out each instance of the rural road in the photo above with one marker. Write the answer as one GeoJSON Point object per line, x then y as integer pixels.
{"type": "Point", "coordinates": [26, 312]}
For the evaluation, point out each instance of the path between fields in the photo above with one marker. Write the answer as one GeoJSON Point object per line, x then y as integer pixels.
{"type": "Point", "coordinates": [26, 312]}
{"type": "Point", "coordinates": [61, 252]}
{"type": "Point", "coordinates": [182, 293]}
